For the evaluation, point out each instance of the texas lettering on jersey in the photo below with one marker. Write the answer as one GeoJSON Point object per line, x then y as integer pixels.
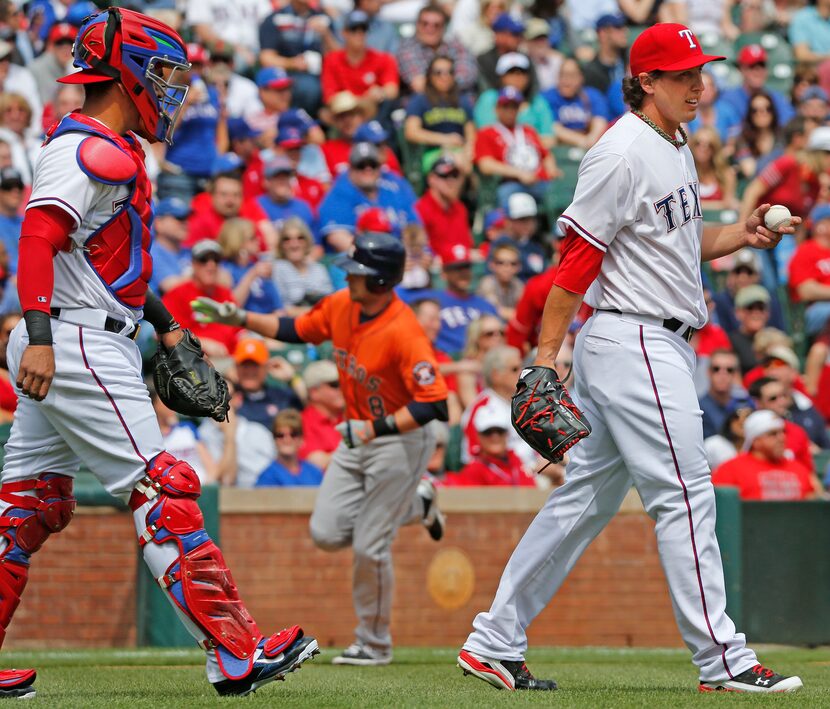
{"type": "Point", "coordinates": [680, 206]}
{"type": "Point", "coordinates": [348, 364]}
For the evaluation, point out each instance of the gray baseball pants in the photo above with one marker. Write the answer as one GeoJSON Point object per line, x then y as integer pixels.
{"type": "Point", "coordinates": [366, 494]}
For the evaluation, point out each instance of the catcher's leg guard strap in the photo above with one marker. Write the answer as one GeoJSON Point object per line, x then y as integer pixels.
{"type": "Point", "coordinates": [30, 510]}
{"type": "Point", "coordinates": [197, 580]}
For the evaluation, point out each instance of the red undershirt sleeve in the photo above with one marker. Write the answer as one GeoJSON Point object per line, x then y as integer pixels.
{"type": "Point", "coordinates": [580, 264]}
{"type": "Point", "coordinates": [44, 232]}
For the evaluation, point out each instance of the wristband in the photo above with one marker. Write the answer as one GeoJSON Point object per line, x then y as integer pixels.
{"type": "Point", "coordinates": [39, 327]}
{"type": "Point", "coordinates": [385, 426]}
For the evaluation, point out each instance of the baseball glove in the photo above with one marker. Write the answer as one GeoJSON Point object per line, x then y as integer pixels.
{"type": "Point", "coordinates": [186, 382]}
{"type": "Point", "coordinates": [545, 416]}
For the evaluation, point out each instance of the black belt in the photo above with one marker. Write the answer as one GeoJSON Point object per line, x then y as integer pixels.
{"type": "Point", "coordinates": [672, 324]}
{"type": "Point", "coordinates": [110, 324]}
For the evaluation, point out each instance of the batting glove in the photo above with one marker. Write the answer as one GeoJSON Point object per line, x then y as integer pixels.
{"type": "Point", "coordinates": [207, 310]}
{"type": "Point", "coordinates": [356, 433]}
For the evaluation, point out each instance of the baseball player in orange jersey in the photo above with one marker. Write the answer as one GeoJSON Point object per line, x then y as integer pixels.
{"type": "Point", "coordinates": [392, 387]}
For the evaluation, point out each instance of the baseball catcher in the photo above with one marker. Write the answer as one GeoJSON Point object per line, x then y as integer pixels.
{"type": "Point", "coordinates": [544, 414]}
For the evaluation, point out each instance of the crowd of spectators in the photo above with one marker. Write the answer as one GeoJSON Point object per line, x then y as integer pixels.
{"type": "Point", "coordinates": [450, 124]}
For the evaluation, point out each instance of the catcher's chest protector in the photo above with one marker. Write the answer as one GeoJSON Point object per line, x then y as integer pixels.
{"type": "Point", "coordinates": [118, 251]}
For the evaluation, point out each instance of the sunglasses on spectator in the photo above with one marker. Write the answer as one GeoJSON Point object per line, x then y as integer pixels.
{"type": "Point", "coordinates": [206, 259]}
{"type": "Point", "coordinates": [358, 28]}
{"type": "Point", "coordinates": [334, 385]}
{"type": "Point", "coordinates": [718, 368]}
{"type": "Point", "coordinates": [11, 186]}
{"type": "Point", "coordinates": [288, 434]}
{"type": "Point", "coordinates": [756, 306]}
{"type": "Point", "coordinates": [451, 175]}
{"type": "Point", "coordinates": [745, 270]}
{"type": "Point", "coordinates": [505, 262]}
{"type": "Point", "coordinates": [756, 65]}
{"type": "Point", "coordinates": [367, 165]}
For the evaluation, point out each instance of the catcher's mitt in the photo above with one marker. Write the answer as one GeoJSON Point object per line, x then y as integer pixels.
{"type": "Point", "coordinates": [186, 382]}
{"type": "Point", "coordinates": [544, 415]}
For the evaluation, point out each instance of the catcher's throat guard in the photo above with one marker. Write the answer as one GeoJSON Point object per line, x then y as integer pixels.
{"type": "Point", "coordinates": [544, 414]}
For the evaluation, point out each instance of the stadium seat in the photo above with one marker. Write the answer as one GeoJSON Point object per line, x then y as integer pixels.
{"type": "Point", "coordinates": [712, 43]}
{"type": "Point", "coordinates": [412, 157]}
{"type": "Point", "coordinates": [562, 190]}
{"type": "Point", "coordinates": [452, 459]}
{"type": "Point", "coordinates": [719, 216]}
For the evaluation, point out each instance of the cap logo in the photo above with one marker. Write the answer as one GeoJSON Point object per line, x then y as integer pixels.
{"type": "Point", "coordinates": [689, 35]}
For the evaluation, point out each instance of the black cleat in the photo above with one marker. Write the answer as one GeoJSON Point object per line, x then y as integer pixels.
{"type": "Point", "coordinates": [502, 674]}
{"type": "Point", "coordinates": [17, 684]}
{"type": "Point", "coordinates": [757, 679]}
{"type": "Point", "coordinates": [267, 670]}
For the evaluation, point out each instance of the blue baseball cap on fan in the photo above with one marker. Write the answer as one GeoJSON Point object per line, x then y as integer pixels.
{"type": "Point", "coordinates": [371, 132]}
{"type": "Point", "coordinates": [506, 23]}
{"type": "Point", "coordinates": [296, 117]}
{"type": "Point", "coordinates": [239, 129]}
{"type": "Point", "coordinates": [225, 164]}
{"type": "Point", "coordinates": [172, 207]}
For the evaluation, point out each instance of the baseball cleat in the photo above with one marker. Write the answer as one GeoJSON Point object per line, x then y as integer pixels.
{"type": "Point", "coordinates": [502, 674]}
{"type": "Point", "coordinates": [433, 519]}
{"type": "Point", "coordinates": [362, 655]}
{"type": "Point", "coordinates": [267, 670]}
{"type": "Point", "coordinates": [756, 679]}
{"type": "Point", "coordinates": [17, 684]}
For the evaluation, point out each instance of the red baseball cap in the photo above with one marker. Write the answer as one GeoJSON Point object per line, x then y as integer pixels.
{"type": "Point", "coordinates": [62, 31]}
{"type": "Point", "coordinates": [373, 219]}
{"type": "Point", "coordinates": [197, 54]}
{"type": "Point", "coordinates": [667, 46]}
{"type": "Point", "coordinates": [752, 54]}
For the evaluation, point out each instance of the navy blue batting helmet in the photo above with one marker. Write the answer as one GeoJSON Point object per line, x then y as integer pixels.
{"type": "Point", "coordinates": [380, 257]}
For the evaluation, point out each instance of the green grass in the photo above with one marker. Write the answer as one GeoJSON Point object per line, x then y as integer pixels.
{"type": "Point", "coordinates": [593, 678]}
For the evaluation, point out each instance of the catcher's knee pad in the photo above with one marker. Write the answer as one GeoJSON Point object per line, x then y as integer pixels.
{"type": "Point", "coordinates": [26, 522]}
{"type": "Point", "coordinates": [198, 580]}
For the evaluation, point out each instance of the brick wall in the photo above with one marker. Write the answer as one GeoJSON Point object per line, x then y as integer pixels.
{"type": "Point", "coordinates": [81, 588]}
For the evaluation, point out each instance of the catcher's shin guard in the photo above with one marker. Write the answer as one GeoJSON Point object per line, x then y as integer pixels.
{"type": "Point", "coordinates": [195, 575]}
{"type": "Point", "coordinates": [30, 510]}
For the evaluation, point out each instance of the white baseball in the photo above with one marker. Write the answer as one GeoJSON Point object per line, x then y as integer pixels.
{"type": "Point", "coordinates": [777, 217]}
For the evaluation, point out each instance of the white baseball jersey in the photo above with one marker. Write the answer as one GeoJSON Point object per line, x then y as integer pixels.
{"type": "Point", "coordinates": [59, 181]}
{"type": "Point", "coordinates": [637, 200]}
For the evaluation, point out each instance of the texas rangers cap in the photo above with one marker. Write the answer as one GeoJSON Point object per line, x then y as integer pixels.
{"type": "Point", "coordinates": [250, 349]}
{"type": "Point", "coordinates": [510, 94]}
{"type": "Point", "coordinates": [512, 60]}
{"type": "Point", "coordinates": [172, 207]}
{"type": "Point", "coordinates": [371, 132]}
{"type": "Point", "coordinates": [197, 54]}
{"type": "Point", "coordinates": [373, 219]}
{"type": "Point", "coordinates": [290, 136]}
{"type": "Point", "coordinates": [62, 32]}
{"type": "Point", "coordinates": [458, 257]}
{"type": "Point", "coordinates": [506, 23]}
{"type": "Point", "coordinates": [759, 423]}
{"type": "Point", "coordinates": [667, 46]}
{"type": "Point", "coordinates": [272, 77]}
{"type": "Point", "coordinates": [240, 129]}
{"type": "Point", "coordinates": [611, 19]}
{"type": "Point", "coordinates": [752, 54]}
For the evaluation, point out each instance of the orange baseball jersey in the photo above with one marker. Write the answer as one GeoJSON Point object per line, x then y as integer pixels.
{"type": "Point", "coordinates": [384, 363]}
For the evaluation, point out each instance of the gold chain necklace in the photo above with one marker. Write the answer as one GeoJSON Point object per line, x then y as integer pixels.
{"type": "Point", "coordinates": [674, 141]}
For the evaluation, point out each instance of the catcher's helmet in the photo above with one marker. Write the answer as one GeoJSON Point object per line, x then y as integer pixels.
{"type": "Point", "coordinates": [380, 257]}
{"type": "Point", "coordinates": [142, 54]}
